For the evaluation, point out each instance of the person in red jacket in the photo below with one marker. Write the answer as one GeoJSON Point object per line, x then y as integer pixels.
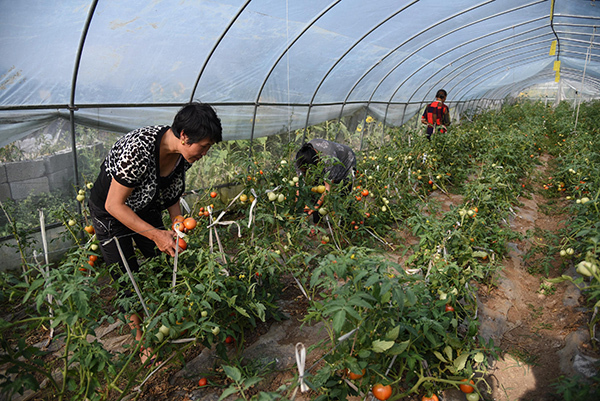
{"type": "Point", "coordinates": [436, 114]}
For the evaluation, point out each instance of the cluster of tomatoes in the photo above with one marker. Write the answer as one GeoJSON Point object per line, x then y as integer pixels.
{"type": "Point", "coordinates": [362, 194]}
{"type": "Point", "coordinates": [91, 261]}
{"type": "Point", "coordinates": [383, 392]}
{"type": "Point", "coordinates": [184, 225]}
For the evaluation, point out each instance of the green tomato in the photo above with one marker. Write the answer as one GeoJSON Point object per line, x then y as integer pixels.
{"type": "Point", "coordinates": [160, 336]}
{"type": "Point", "coordinates": [164, 329]}
{"type": "Point", "coordinates": [216, 330]}
{"type": "Point", "coordinates": [204, 313]}
{"type": "Point", "coordinates": [472, 397]}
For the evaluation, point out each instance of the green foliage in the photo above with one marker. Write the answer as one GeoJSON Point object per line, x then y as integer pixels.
{"type": "Point", "coordinates": [412, 325]}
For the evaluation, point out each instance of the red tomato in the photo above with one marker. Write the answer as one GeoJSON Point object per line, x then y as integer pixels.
{"type": "Point", "coordinates": [202, 382]}
{"type": "Point", "coordinates": [93, 258]}
{"type": "Point", "coordinates": [213, 194]}
{"type": "Point", "coordinates": [465, 388]}
{"type": "Point", "coordinates": [433, 397]}
{"type": "Point", "coordinates": [355, 376]}
{"type": "Point", "coordinates": [229, 340]}
{"type": "Point", "coordinates": [182, 244]}
{"type": "Point", "coordinates": [449, 308]}
{"type": "Point", "coordinates": [178, 225]}
{"type": "Point", "coordinates": [364, 192]}
{"type": "Point", "coordinates": [382, 392]}
{"type": "Point", "coordinates": [190, 223]}
{"type": "Point", "coordinates": [178, 218]}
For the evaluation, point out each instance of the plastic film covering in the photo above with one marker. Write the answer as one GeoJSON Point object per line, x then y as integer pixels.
{"type": "Point", "coordinates": [271, 66]}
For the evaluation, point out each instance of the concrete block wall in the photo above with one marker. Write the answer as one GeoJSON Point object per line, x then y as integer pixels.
{"type": "Point", "coordinates": [18, 180]}
{"type": "Point", "coordinates": [11, 258]}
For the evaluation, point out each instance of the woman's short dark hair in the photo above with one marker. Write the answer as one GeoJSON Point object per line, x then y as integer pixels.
{"type": "Point", "coordinates": [306, 156]}
{"type": "Point", "coordinates": [198, 121]}
{"type": "Point", "coordinates": [441, 94]}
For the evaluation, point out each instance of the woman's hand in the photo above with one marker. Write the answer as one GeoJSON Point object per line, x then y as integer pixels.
{"type": "Point", "coordinates": [165, 241]}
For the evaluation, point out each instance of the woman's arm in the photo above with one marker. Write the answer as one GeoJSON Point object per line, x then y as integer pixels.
{"type": "Point", "coordinates": [115, 205]}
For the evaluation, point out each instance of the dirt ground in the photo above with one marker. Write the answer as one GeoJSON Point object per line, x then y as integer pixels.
{"type": "Point", "coordinates": [533, 321]}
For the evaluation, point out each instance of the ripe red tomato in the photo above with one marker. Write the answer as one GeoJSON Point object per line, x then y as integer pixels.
{"type": "Point", "coordinates": [179, 225]}
{"type": "Point", "coordinates": [364, 192]}
{"type": "Point", "coordinates": [190, 223]}
{"type": "Point", "coordinates": [433, 397]}
{"type": "Point", "coordinates": [449, 308]}
{"type": "Point", "coordinates": [93, 258]}
{"type": "Point", "coordinates": [355, 376]}
{"type": "Point", "coordinates": [465, 388]}
{"type": "Point", "coordinates": [91, 262]}
{"type": "Point", "coordinates": [178, 218]}
{"type": "Point", "coordinates": [213, 194]}
{"type": "Point", "coordinates": [182, 244]}
{"type": "Point", "coordinates": [229, 340]}
{"type": "Point", "coordinates": [202, 382]}
{"type": "Point", "coordinates": [382, 392]}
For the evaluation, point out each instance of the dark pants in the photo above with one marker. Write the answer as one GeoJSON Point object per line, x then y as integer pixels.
{"type": "Point", "coordinates": [107, 228]}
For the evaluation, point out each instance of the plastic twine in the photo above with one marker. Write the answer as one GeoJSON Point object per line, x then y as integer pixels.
{"type": "Point", "coordinates": [135, 286]}
{"type": "Point", "coordinates": [300, 361]}
{"type": "Point", "coordinates": [251, 214]}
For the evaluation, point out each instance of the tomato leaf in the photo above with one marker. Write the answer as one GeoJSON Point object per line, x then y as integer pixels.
{"type": "Point", "coordinates": [480, 254]}
{"type": "Point", "coordinates": [233, 373]}
{"type": "Point", "coordinates": [214, 296]}
{"type": "Point", "coordinates": [440, 356]}
{"type": "Point", "coordinates": [393, 334]}
{"type": "Point", "coordinates": [448, 352]}
{"type": "Point", "coordinates": [460, 361]}
{"type": "Point", "coordinates": [399, 348]}
{"type": "Point", "coordinates": [338, 320]}
{"type": "Point", "coordinates": [382, 346]}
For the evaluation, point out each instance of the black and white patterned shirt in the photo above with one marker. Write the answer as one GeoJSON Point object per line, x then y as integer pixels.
{"type": "Point", "coordinates": [133, 162]}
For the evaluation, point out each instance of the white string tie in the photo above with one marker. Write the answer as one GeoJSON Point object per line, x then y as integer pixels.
{"type": "Point", "coordinates": [301, 360]}
{"type": "Point", "coordinates": [250, 216]}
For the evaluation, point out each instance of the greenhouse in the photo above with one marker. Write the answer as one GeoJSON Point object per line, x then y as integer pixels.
{"type": "Point", "coordinates": [300, 200]}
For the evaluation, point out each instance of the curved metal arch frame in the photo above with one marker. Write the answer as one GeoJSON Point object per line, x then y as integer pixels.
{"type": "Point", "coordinates": [464, 55]}
{"type": "Point", "coordinates": [482, 36]}
{"type": "Point", "coordinates": [283, 53]}
{"type": "Point", "coordinates": [480, 58]}
{"type": "Point", "coordinates": [356, 43]}
{"type": "Point", "coordinates": [215, 46]}
{"type": "Point", "coordinates": [406, 58]}
{"type": "Point", "coordinates": [72, 106]}
{"type": "Point", "coordinates": [467, 87]}
{"type": "Point", "coordinates": [473, 60]}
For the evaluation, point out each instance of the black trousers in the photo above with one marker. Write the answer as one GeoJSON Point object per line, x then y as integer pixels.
{"type": "Point", "coordinates": [109, 228]}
